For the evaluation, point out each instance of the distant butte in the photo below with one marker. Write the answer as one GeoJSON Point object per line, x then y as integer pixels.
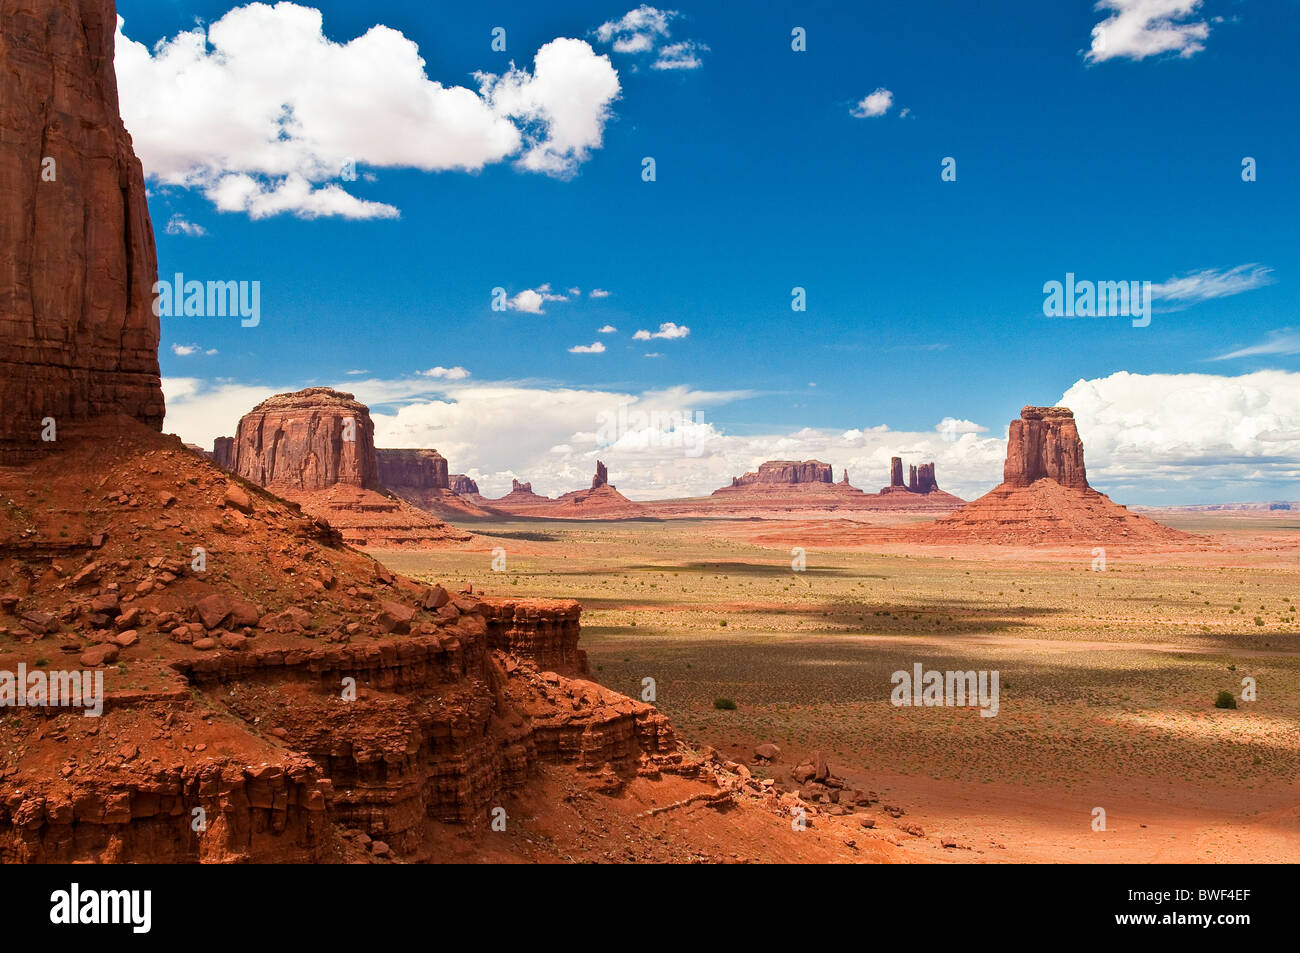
{"type": "Point", "coordinates": [316, 447]}
{"type": "Point", "coordinates": [1044, 496]}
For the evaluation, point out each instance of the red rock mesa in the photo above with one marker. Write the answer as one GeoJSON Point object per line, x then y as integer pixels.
{"type": "Point", "coordinates": [77, 273]}
{"type": "Point", "coordinates": [308, 440]}
{"type": "Point", "coordinates": [787, 472]}
{"type": "Point", "coordinates": [317, 448]}
{"type": "Point", "coordinates": [417, 469]}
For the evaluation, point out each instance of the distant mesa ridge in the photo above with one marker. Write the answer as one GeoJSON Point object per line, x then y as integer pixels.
{"type": "Point", "coordinates": [787, 472]}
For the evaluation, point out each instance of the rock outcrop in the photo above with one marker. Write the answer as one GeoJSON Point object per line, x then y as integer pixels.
{"type": "Point", "coordinates": [521, 494]}
{"type": "Point", "coordinates": [462, 484]}
{"type": "Point", "coordinates": [308, 440]}
{"type": "Point", "coordinates": [1045, 497]}
{"type": "Point", "coordinates": [420, 478]}
{"type": "Point", "coordinates": [600, 501]}
{"type": "Point", "coordinates": [920, 479]}
{"type": "Point", "coordinates": [223, 452]}
{"type": "Point", "coordinates": [925, 481]}
{"type": "Point", "coordinates": [1044, 443]}
{"type": "Point", "coordinates": [79, 335]}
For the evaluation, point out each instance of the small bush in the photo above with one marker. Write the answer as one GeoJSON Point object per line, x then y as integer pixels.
{"type": "Point", "coordinates": [1225, 700]}
{"type": "Point", "coordinates": [726, 704]}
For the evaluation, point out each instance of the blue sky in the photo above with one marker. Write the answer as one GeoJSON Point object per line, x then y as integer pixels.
{"type": "Point", "coordinates": [924, 297]}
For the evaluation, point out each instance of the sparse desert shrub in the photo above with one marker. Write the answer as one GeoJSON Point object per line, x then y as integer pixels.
{"type": "Point", "coordinates": [1225, 700]}
{"type": "Point", "coordinates": [726, 704]}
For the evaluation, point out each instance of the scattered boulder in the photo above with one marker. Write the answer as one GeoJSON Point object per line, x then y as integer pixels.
{"type": "Point", "coordinates": [101, 654]}
{"type": "Point", "coordinates": [213, 609]}
{"type": "Point", "coordinates": [396, 618]}
{"type": "Point", "coordinates": [237, 499]}
{"type": "Point", "coordinates": [767, 752]}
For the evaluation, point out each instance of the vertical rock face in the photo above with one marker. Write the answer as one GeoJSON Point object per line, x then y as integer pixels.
{"type": "Point", "coordinates": [1044, 442]}
{"type": "Point", "coordinates": [308, 440]}
{"type": "Point", "coordinates": [911, 478]}
{"type": "Point", "coordinates": [895, 471]}
{"type": "Point", "coordinates": [223, 452]}
{"type": "Point", "coordinates": [845, 481]}
{"type": "Point", "coordinates": [417, 469]}
{"type": "Point", "coordinates": [601, 478]}
{"type": "Point", "coordinates": [925, 482]}
{"type": "Point", "coordinates": [79, 335]}
{"type": "Point", "coordinates": [462, 484]}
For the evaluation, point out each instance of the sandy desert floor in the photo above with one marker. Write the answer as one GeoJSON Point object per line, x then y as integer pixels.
{"type": "Point", "coordinates": [1107, 678]}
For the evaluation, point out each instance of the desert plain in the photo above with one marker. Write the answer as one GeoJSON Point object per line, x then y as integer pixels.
{"type": "Point", "coordinates": [1108, 677]}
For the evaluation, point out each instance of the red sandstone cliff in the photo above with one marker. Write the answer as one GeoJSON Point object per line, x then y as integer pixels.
{"type": "Point", "coordinates": [77, 273]}
{"type": "Point", "coordinates": [1044, 442]}
{"type": "Point", "coordinates": [308, 440]}
{"type": "Point", "coordinates": [223, 452]}
{"type": "Point", "coordinates": [414, 469]}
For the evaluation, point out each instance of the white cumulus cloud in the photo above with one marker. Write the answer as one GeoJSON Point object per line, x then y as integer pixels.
{"type": "Point", "coordinates": [1137, 29]}
{"type": "Point", "coordinates": [874, 104]}
{"type": "Point", "coordinates": [669, 331]}
{"type": "Point", "coordinates": [180, 225]}
{"type": "Point", "coordinates": [265, 114]}
{"type": "Point", "coordinates": [457, 373]}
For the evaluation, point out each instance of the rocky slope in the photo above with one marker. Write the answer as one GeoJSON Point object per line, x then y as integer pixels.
{"type": "Point", "coordinates": [76, 277]}
{"type": "Point", "coordinates": [227, 677]}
